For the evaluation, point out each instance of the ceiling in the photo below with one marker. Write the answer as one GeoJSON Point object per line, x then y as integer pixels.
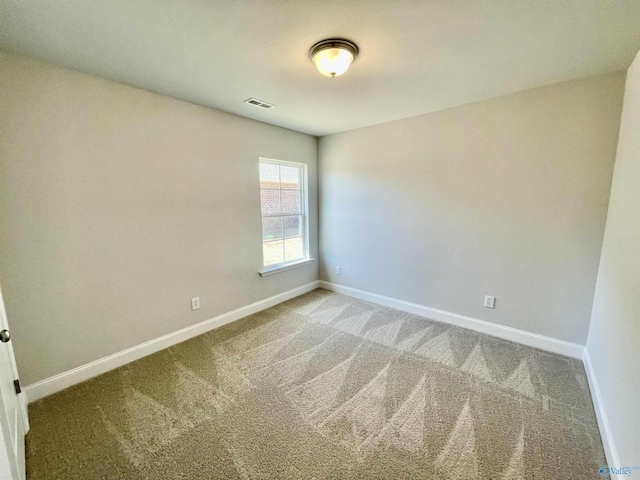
{"type": "Point", "coordinates": [415, 56]}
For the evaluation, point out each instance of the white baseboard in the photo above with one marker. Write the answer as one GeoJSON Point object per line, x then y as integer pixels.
{"type": "Point", "coordinates": [610, 450]}
{"type": "Point", "coordinates": [82, 373]}
{"type": "Point", "coordinates": [513, 334]}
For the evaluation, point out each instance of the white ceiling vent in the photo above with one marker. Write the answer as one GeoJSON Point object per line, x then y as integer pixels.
{"type": "Point", "coordinates": [259, 103]}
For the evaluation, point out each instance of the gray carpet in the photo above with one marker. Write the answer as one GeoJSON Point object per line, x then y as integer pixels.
{"type": "Point", "coordinates": [325, 387]}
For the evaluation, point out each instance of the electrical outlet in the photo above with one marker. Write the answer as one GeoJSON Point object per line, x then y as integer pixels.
{"type": "Point", "coordinates": [195, 303]}
{"type": "Point", "coordinates": [489, 301]}
{"type": "Point", "coordinates": [338, 270]}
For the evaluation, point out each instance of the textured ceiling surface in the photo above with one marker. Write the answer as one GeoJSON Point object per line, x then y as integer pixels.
{"type": "Point", "coordinates": [416, 56]}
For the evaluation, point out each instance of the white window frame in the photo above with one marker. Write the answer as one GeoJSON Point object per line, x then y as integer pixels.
{"type": "Point", "coordinates": [304, 209]}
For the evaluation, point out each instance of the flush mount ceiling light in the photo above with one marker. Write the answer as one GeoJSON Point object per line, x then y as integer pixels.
{"type": "Point", "coordinates": [333, 56]}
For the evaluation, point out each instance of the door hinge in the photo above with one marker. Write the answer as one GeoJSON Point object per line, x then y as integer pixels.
{"type": "Point", "coordinates": [16, 385]}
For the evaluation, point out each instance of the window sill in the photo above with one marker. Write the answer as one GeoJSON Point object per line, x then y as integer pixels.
{"type": "Point", "coordinates": [287, 266]}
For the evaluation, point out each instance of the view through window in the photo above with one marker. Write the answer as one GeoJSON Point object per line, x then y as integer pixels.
{"type": "Point", "coordinates": [284, 222]}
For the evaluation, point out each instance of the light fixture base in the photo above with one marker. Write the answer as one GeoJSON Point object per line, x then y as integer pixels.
{"type": "Point", "coordinates": [334, 43]}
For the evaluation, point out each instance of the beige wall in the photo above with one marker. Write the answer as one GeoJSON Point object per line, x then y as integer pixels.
{"type": "Point", "coordinates": [614, 336]}
{"type": "Point", "coordinates": [505, 197]}
{"type": "Point", "coordinates": [117, 206]}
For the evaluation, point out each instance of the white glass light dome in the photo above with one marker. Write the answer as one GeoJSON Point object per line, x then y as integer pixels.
{"type": "Point", "coordinates": [333, 57]}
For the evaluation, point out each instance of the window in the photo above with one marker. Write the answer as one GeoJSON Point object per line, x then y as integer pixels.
{"type": "Point", "coordinates": [284, 213]}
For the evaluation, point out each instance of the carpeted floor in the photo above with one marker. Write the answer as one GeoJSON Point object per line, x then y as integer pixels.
{"type": "Point", "coordinates": [325, 387]}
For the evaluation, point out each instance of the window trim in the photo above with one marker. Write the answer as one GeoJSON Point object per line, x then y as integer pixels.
{"type": "Point", "coordinates": [304, 211]}
{"type": "Point", "coordinates": [283, 267]}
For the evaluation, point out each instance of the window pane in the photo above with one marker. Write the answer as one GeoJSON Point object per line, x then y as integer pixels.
{"type": "Point", "coordinates": [292, 226]}
{"type": "Point", "coordinates": [291, 201]}
{"type": "Point", "coordinates": [269, 175]}
{"type": "Point", "coordinates": [281, 188]}
{"type": "Point", "coordinates": [290, 177]}
{"type": "Point", "coordinates": [293, 249]}
{"type": "Point", "coordinates": [270, 201]}
{"type": "Point", "coordinates": [273, 252]}
{"type": "Point", "coordinates": [271, 228]}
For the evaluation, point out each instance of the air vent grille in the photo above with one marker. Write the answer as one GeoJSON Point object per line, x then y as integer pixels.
{"type": "Point", "coordinates": [259, 103]}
